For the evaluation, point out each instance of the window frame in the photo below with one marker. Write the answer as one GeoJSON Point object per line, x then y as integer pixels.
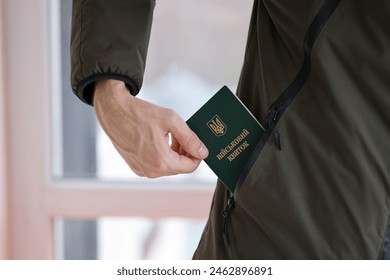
{"type": "Point", "coordinates": [34, 198]}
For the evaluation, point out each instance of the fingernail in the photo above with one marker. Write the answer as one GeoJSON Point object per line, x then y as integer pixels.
{"type": "Point", "coordinates": [203, 151]}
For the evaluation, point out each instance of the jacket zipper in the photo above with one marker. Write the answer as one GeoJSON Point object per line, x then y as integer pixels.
{"type": "Point", "coordinates": [278, 107]}
{"type": "Point", "coordinates": [273, 116]}
{"type": "Point", "coordinates": [225, 214]}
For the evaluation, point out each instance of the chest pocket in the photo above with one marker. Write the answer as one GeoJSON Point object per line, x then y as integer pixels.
{"type": "Point", "coordinates": [280, 105]}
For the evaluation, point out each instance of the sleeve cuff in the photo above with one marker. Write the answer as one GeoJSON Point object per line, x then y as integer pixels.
{"type": "Point", "coordinates": [85, 89]}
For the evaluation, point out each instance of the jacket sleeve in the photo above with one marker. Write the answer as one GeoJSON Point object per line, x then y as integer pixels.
{"type": "Point", "coordinates": [109, 40]}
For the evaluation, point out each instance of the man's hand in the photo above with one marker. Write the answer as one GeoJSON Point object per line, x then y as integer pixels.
{"type": "Point", "coordinates": [140, 133]}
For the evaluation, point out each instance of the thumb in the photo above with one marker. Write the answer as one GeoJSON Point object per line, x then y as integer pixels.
{"type": "Point", "coordinates": [189, 141]}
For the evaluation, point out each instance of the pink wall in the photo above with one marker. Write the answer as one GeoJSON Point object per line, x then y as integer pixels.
{"type": "Point", "coordinates": [3, 151]}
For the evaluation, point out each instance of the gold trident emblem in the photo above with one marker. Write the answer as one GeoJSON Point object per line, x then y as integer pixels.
{"type": "Point", "coordinates": [217, 126]}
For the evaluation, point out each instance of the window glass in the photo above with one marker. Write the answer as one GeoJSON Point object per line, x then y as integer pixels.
{"type": "Point", "coordinates": [136, 238]}
{"type": "Point", "coordinates": [196, 47]}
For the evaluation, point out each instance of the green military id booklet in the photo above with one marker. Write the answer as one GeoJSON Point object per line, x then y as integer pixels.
{"type": "Point", "coordinates": [229, 131]}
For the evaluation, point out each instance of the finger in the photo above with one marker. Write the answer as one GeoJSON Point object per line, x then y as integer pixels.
{"type": "Point", "coordinates": [175, 146]}
{"type": "Point", "coordinates": [180, 164]}
{"type": "Point", "coordinates": [188, 140]}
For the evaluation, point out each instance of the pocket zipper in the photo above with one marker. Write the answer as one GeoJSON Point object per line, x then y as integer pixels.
{"type": "Point", "coordinates": [280, 105]}
{"type": "Point", "coordinates": [273, 117]}
{"type": "Point", "coordinates": [225, 214]}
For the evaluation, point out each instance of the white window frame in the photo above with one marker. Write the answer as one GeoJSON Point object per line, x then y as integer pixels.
{"type": "Point", "coordinates": [34, 198]}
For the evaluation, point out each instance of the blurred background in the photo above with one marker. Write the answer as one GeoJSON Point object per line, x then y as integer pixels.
{"type": "Point", "coordinates": [65, 193]}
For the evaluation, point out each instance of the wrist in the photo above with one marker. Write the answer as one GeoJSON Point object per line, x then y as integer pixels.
{"type": "Point", "coordinates": [110, 85]}
{"type": "Point", "coordinates": [111, 89]}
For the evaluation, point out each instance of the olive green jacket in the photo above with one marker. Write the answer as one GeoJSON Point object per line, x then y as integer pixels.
{"type": "Point", "coordinates": [316, 73]}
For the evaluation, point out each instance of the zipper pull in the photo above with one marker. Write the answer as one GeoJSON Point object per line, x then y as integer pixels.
{"type": "Point", "coordinates": [225, 214]}
{"type": "Point", "coordinates": [273, 114]}
{"type": "Point", "coordinates": [272, 117]}
{"type": "Point", "coordinates": [278, 140]}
